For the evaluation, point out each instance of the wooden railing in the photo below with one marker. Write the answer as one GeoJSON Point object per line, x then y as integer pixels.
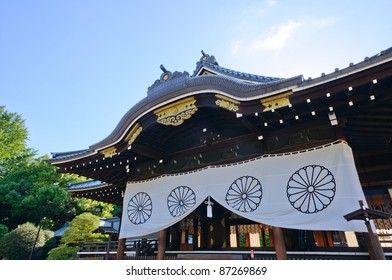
{"type": "Point", "coordinates": [139, 247]}
{"type": "Point", "coordinates": [145, 249]}
{"type": "Point", "coordinates": [97, 246]}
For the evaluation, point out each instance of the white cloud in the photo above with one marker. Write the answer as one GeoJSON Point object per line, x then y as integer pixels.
{"type": "Point", "coordinates": [236, 46]}
{"type": "Point", "coordinates": [266, 52]}
{"type": "Point", "coordinates": [279, 36]}
{"type": "Point", "coordinates": [250, 16]}
{"type": "Point", "coordinates": [272, 2]}
{"type": "Point", "coordinates": [325, 22]}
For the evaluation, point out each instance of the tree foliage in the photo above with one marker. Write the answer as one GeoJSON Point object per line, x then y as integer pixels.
{"type": "Point", "coordinates": [18, 244]}
{"type": "Point", "coordinates": [89, 205]}
{"type": "Point", "coordinates": [81, 230]}
{"type": "Point", "coordinates": [63, 252]}
{"type": "Point", "coordinates": [3, 230]}
{"type": "Point", "coordinates": [13, 135]}
{"type": "Point", "coordinates": [32, 191]}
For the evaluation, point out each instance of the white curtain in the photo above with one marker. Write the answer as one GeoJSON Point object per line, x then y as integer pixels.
{"type": "Point", "coordinates": [311, 189]}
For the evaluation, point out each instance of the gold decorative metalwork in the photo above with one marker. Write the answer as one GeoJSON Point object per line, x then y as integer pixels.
{"type": "Point", "coordinates": [206, 72]}
{"type": "Point", "coordinates": [227, 103]}
{"type": "Point", "coordinates": [276, 101]}
{"type": "Point", "coordinates": [176, 113]}
{"type": "Point", "coordinates": [135, 131]}
{"type": "Point", "coordinates": [109, 152]}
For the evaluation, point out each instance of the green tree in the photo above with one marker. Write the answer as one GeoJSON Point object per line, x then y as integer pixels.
{"type": "Point", "coordinates": [89, 205]}
{"type": "Point", "coordinates": [13, 135]}
{"type": "Point", "coordinates": [34, 190]}
{"type": "Point", "coordinates": [30, 188]}
{"type": "Point", "coordinates": [63, 252]}
{"type": "Point", "coordinates": [18, 244]}
{"type": "Point", "coordinates": [3, 230]}
{"type": "Point", "coordinates": [81, 230]}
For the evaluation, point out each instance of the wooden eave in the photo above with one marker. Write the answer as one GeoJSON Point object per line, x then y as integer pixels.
{"type": "Point", "coordinates": [365, 125]}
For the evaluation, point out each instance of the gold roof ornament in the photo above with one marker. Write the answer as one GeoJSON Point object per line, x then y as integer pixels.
{"type": "Point", "coordinates": [227, 103]}
{"type": "Point", "coordinates": [133, 133]}
{"type": "Point", "coordinates": [111, 151]}
{"type": "Point", "coordinates": [276, 101]}
{"type": "Point", "coordinates": [176, 113]}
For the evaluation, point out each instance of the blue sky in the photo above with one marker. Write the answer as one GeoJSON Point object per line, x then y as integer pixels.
{"type": "Point", "coordinates": [73, 68]}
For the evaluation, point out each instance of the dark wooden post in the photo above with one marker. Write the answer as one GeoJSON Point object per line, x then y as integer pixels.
{"type": "Point", "coordinates": [120, 249]}
{"type": "Point", "coordinates": [372, 242]}
{"type": "Point", "coordinates": [161, 244]}
{"type": "Point", "coordinates": [374, 246]}
{"type": "Point", "coordinates": [108, 247]}
{"type": "Point", "coordinates": [138, 248]}
{"type": "Point", "coordinates": [280, 246]}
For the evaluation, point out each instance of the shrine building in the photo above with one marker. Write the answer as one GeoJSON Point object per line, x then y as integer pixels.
{"type": "Point", "coordinates": [224, 164]}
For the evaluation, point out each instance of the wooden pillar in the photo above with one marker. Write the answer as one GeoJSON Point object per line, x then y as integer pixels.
{"type": "Point", "coordinates": [138, 246]}
{"type": "Point", "coordinates": [108, 247]}
{"type": "Point", "coordinates": [121, 242]}
{"type": "Point", "coordinates": [196, 233]}
{"type": "Point", "coordinates": [120, 249]}
{"type": "Point", "coordinates": [280, 246]}
{"type": "Point", "coordinates": [161, 244]}
{"type": "Point", "coordinates": [373, 243]}
{"type": "Point", "coordinates": [374, 246]}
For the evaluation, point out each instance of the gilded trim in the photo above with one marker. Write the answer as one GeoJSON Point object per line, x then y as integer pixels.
{"type": "Point", "coordinates": [176, 113]}
{"type": "Point", "coordinates": [227, 103]}
{"type": "Point", "coordinates": [276, 101]}
{"type": "Point", "coordinates": [111, 151]}
{"type": "Point", "coordinates": [133, 134]}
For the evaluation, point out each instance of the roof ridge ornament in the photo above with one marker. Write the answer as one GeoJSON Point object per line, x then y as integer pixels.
{"type": "Point", "coordinates": [166, 77]}
{"type": "Point", "coordinates": [166, 74]}
{"type": "Point", "coordinates": [206, 58]}
{"type": "Point", "coordinates": [163, 68]}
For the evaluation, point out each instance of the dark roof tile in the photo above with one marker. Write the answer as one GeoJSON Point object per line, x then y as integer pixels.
{"type": "Point", "coordinates": [85, 185]}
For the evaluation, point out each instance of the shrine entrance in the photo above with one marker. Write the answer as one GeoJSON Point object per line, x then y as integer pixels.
{"type": "Point", "coordinates": [224, 230]}
{"type": "Point", "coordinates": [228, 231]}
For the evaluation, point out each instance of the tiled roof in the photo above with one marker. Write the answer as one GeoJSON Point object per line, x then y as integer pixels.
{"type": "Point", "coordinates": [210, 62]}
{"type": "Point", "coordinates": [106, 230]}
{"type": "Point", "coordinates": [85, 185]}
{"type": "Point", "coordinates": [64, 155]}
{"type": "Point", "coordinates": [238, 81]}
{"type": "Point", "coordinates": [242, 75]}
{"type": "Point", "coordinates": [236, 84]}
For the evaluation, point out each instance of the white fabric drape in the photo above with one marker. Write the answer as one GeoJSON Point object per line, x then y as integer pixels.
{"type": "Point", "coordinates": [309, 190]}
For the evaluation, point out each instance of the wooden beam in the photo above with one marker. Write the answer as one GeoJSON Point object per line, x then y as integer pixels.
{"type": "Point", "coordinates": [370, 129]}
{"type": "Point", "coordinates": [387, 167]}
{"type": "Point", "coordinates": [217, 145]}
{"type": "Point", "coordinates": [249, 125]}
{"type": "Point", "coordinates": [376, 183]}
{"type": "Point", "coordinates": [146, 151]}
